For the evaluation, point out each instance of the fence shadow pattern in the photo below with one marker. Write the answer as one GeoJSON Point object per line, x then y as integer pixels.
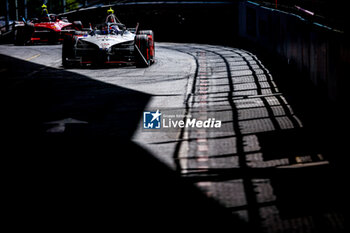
{"type": "Point", "coordinates": [249, 165]}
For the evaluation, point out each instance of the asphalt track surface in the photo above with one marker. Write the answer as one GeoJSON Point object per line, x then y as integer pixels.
{"type": "Point", "coordinates": [260, 168]}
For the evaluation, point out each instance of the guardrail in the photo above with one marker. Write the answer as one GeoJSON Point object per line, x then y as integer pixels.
{"type": "Point", "coordinates": [324, 12]}
{"type": "Point", "coordinates": [317, 51]}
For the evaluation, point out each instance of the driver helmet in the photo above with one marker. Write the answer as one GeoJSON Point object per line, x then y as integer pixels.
{"type": "Point", "coordinates": [44, 10]}
{"type": "Point", "coordinates": [110, 11]}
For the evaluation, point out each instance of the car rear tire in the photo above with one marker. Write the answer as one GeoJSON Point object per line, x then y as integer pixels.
{"type": "Point", "coordinates": [150, 35]}
{"type": "Point", "coordinates": [142, 51]}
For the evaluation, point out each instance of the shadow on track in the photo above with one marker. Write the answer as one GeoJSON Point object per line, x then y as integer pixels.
{"type": "Point", "coordinates": [69, 162]}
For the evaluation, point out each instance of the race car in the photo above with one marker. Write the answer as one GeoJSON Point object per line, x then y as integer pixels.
{"type": "Point", "coordinates": [109, 43]}
{"type": "Point", "coordinates": [49, 29]}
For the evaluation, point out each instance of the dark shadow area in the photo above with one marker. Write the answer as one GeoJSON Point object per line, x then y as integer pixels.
{"type": "Point", "coordinates": [69, 162]}
{"type": "Point", "coordinates": [287, 181]}
{"type": "Point", "coordinates": [284, 143]}
{"type": "Point", "coordinates": [324, 121]}
{"type": "Point", "coordinates": [211, 22]}
{"type": "Point", "coordinates": [301, 192]}
{"type": "Point", "coordinates": [175, 22]}
{"type": "Point", "coordinates": [37, 97]}
{"type": "Point", "coordinates": [308, 191]}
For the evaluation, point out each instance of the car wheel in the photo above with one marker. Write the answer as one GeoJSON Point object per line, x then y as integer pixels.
{"type": "Point", "coordinates": [150, 35]}
{"type": "Point", "coordinates": [142, 51]}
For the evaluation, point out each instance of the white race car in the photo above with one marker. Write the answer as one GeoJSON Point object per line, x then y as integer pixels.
{"type": "Point", "coordinates": [109, 43]}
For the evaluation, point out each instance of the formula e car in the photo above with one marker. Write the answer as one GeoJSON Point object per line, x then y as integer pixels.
{"type": "Point", "coordinates": [50, 29]}
{"type": "Point", "coordinates": [109, 43]}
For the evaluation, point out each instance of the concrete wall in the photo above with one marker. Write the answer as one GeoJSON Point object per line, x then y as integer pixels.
{"type": "Point", "coordinates": [318, 52]}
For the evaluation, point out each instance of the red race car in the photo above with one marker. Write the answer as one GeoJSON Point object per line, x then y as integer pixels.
{"type": "Point", "coordinates": [50, 29]}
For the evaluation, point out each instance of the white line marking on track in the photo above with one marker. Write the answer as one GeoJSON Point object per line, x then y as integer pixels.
{"type": "Point", "coordinates": [32, 57]}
